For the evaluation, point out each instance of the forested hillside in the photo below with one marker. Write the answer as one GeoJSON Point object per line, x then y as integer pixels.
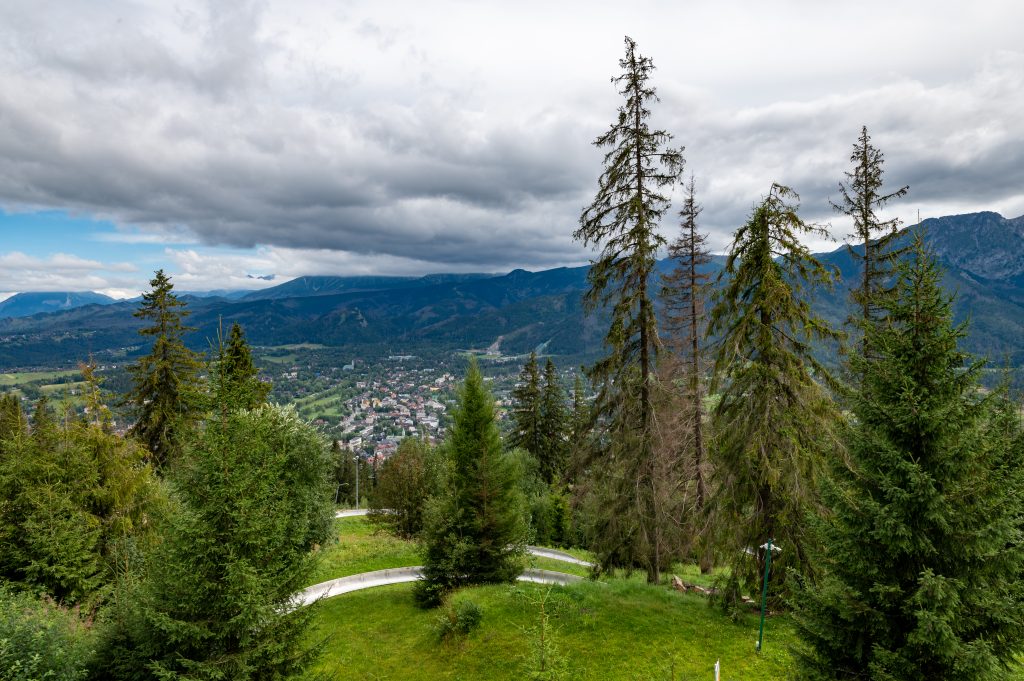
{"type": "Point", "coordinates": [983, 256]}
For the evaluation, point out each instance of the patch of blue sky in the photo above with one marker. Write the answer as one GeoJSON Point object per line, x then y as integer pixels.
{"type": "Point", "coordinates": [41, 234]}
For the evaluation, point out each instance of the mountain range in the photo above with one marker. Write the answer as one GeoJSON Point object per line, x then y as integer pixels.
{"type": "Point", "coordinates": [983, 254]}
{"type": "Point", "coordinates": [30, 303]}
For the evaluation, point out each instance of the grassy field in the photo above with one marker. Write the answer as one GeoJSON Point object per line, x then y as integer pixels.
{"type": "Point", "coordinates": [617, 628]}
{"type": "Point", "coordinates": [61, 388]}
{"type": "Point", "coordinates": [361, 548]}
{"type": "Point", "coordinates": [287, 359]}
{"type": "Point", "coordinates": [23, 377]}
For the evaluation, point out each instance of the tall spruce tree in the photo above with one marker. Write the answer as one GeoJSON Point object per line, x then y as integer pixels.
{"type": "Point", "coordinates": [580, 426]}
{"type": "Point", "coordinates": [579, 417]}
{"type": "Point", "coordinates": [623, 222]}
{"type": "Point", "coordinates": [473, 534]}
{"type": "Point", "coordinates": [165, 390]}
{"type": "Point", "coordinates": [526, 409]}
{"type": "Point", "coordinates": [236, 382]}
{"type": "Point", "coordinates": [12, 418]}
{"type": "Point", "coordinates": [552, 426]}
{"type": "Point", "coordinates": [861, 197]}
{"type": "Point", "coordinates": [922, 549]}
{"type": "Point", "coordinates": [773, 422]}
{"type": "Point", "coordinates": [683, 292]}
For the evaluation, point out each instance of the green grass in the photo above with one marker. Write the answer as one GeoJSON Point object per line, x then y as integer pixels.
{"type": "Point", "coordinates": [326, 404]}
{"type": "Point", "coordinates": [61, 388]}
{"type": "Point", "coordinates": [289, 359]}
{"type": "Point", "coordinates": [618, 630]}
{"type": "Point", "coordinates": [23, 377]}
{"type": "Point", "coordinates": [360, 547]}
{"type": "Point", "coordinates": [292, 346]}
{"type": "Point", "coordinates": [556, 565]}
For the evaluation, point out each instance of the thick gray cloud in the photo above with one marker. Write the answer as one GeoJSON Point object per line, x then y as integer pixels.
{"type": "Point", "coordinates": [458, 136]}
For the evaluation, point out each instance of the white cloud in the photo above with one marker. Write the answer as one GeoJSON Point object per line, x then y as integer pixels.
{"type": "Point", "coordinates": [411, 137]}
{"type": "Point", "coordinates": [62, 272]}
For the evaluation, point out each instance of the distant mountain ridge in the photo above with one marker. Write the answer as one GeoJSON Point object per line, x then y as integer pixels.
{"type": "Point", "coordinates": [987, 245]}
{"type": "Point", "coordinates": [301, 287]}
{"type": "Point", "coordinates": [34, 302]}
{"type": "Point", "coordinates": [983, 254]}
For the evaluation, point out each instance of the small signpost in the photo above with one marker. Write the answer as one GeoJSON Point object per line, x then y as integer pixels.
{"type": "Point", "coordinates": [764, 590]}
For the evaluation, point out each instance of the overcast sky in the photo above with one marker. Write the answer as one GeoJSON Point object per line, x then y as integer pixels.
{"type": "Point", "coordinates": [226, 141]}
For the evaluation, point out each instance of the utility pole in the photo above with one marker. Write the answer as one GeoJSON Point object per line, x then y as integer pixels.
{"type": "Point", "coordinates": [356, 459]}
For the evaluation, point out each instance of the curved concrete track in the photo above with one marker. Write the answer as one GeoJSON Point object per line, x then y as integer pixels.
{"type": "Point", "coordinates": [539, 551]}
{"type": "Point", "coordinates": [555, 554]}
{"type": "Point", "coordinates": [351, 512]}
{"type": "Point", "coordinates": [367, 580]}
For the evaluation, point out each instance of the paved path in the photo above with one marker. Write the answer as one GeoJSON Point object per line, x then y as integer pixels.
{"type": "Point", "coordinates": [351, 512]}
{"type": "Point", "coordinates": [555, 554]}
{"type": "Point", "coordinates": [367, 580]}
{"type": "Point", "coordinates": [539, 551]}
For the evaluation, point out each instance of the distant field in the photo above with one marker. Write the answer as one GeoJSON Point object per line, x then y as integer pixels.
{"type": "Point", "coordinates": [288, 359]}
{"type": "Point", "coordinates": [326, 404]}
{"type": "Point", "coordinates": [21, 378]}
{"type": "Point", "coordinates": [61, 388]}
{"type": "Point", "coordinates": [292, 346]}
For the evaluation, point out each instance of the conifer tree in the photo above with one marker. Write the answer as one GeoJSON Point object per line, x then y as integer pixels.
{"type": "Point", "coordinates": [344, 473]}
{"type": "Point", "coordinates": [165, 385]}
{"type": "Point", "coordinates": [579, 431]}
{"type": "Point", "coordinates": [12, 419]}
{"type": "Point", "coordinates": [923, 560]}
{"type": "Point", "coordinates": [860, 199]}
{"type": "Point", "coordinates": [99, 413]}
{"type": "Point", "coordinates": [237, 385]}
{"type": "Point", "coordinates": [623, 222]}
{"type": "Point", "coordinates": [774, 422]}
{"type": "Point", "coordinates": [579, 418]}
{"type": "Point", "coordinates": [552, 426]}
{"type": "Point", "coordinates": [75, 499]}
{"type": "Point", "coordinates": [526, 409]}
{"type": "Point", "coordinates": [216, 598]}
{"type": "Point", "coordinates": [474, 534]}
{"type": "Point", "coordinates": [683, 292]}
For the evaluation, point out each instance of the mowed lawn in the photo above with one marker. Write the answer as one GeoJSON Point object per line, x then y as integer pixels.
{"type": "Point", "coordinates": [613, 629]}
{"type": "Point", "coordinates": [603, 630]}
{"type": "Point", "coordinates": [359, 546]}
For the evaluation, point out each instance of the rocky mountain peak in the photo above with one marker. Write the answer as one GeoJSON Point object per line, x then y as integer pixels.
{"type": "Point", "coordinates": [984, 244]}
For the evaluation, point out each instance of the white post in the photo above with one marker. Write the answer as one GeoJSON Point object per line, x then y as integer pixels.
{"type": "Point", "coordinates": [718, 670]}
